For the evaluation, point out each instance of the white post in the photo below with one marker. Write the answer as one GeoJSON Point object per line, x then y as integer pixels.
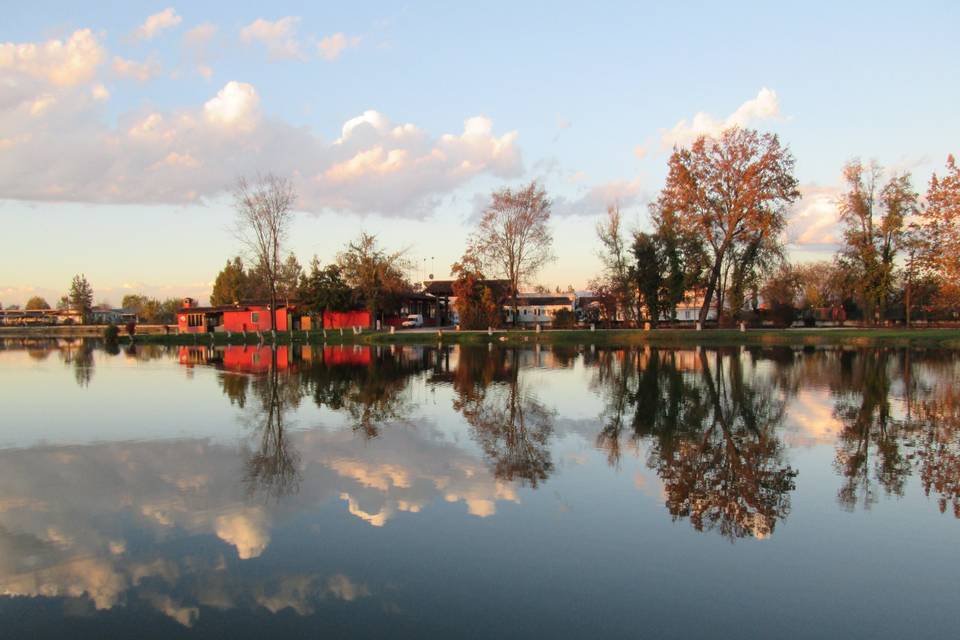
{"type": "Point", "coordinates": [699, 326]}
{"type": "Point", "coordinates": [341, 332]}
{"type": "Point", "coordinates": [393, 329]}
{"type": "Point", "coordinates": [538, 327]}
{"type": "Point", "coordinates": [593, 327]}
{"type": "Point", "coordinates": [489, 331]}
{"type": "Point", "coordinates": [646, 326]}
{"type": "Point", "coordinates": [378, 325]}
{"type": "Point", "coordinates": [743, 327]}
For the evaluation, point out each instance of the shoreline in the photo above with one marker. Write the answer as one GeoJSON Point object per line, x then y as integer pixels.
{"type": "Point", "coordinates": [858, 337]}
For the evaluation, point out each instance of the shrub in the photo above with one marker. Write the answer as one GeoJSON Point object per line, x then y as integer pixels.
{"type": "Point", "coordinates": [110, 333]}
{"type": "Point", "coordinates": [564, 319]}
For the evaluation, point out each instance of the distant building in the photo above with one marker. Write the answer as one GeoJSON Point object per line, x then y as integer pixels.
{"type": "Point", "coordinates": [533, 309]}
{"type": "Point", "coordinates": [442, 291]}
{"type": "Point", "coordinates": [106, 315]}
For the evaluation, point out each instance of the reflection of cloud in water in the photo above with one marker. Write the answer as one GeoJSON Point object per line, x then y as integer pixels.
{"type": "Point", "coordinates": [811, 412]}
{"type": "Point", "coordinates": [74, 520]}
{"type": "Point", "coordinates": [245, 530]}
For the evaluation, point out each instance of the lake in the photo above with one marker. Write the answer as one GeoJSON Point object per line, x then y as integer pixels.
{"type": "Point", "coordinates": [442, 492]}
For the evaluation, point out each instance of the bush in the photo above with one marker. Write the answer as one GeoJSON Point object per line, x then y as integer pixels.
{"type": "Point", "coordinates": [564, 319]}
{"type": "Point", "coordinates": [111, 332]}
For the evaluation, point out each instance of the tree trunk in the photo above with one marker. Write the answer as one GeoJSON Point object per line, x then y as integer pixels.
{"type": "Point", "coordinates": [711, 286]}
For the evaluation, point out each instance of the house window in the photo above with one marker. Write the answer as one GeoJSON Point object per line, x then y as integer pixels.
{"type": "Point", "coordinates": [195, 320]}
{"type": "Point", "coordinates": [254, 317]}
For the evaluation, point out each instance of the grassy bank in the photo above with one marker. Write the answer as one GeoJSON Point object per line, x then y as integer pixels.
{"type": "Point", "coordinates": [940, 338]}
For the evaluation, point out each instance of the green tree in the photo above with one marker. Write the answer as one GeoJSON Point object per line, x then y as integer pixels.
{"type": "Point", "coordinates": [323, 289]}
{"type": "Point", "coordinates": [648, 273]}
{"type": "Point", "coordinates": [36, 303]}
{"type": "Point", "coordinates": [377, 276]}
{"type": "Point", "coordinates": [291, 273]}
{"type": "Point", "coordinates": [81, 295]}
{"type": "Point", "coordinates": [230, 285]}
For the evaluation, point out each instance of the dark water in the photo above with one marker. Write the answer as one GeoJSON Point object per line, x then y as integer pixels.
{"type": "Point", "coordinates": [441, 493]}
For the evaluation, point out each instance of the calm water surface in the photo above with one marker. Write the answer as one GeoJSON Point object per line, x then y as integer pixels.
{"type": "Point", "coordinates": [487, 493]}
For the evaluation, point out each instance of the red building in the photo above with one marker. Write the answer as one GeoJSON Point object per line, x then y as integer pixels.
{"type": "Point", "coordinates": [236, 318]}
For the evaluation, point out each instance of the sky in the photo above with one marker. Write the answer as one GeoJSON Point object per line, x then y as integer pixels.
{"type": "Point", "coordinates": [123, 128]}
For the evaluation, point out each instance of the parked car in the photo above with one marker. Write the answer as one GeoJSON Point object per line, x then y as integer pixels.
{"type": "Point", "coordinates": [413, 320]}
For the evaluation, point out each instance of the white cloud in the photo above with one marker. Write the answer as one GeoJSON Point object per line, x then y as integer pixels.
{"type": "Point", "coordinates": [237, 105]}
{"type": "Point", "coordinates": [100, 92]}
{"type": "Point", "coordinates": [332, 46]}
{"type": "Point", "coordinates": [156, 23]}
{"type": "Point", "coordinates": [764, 106]}
{"type": "Point", "coordinates": [66, 151]}
{"type": "Point", "coordinates": [139, 71]}
{"type": "Point", "coordinates": [57, 62]}
{"type": "Point", "coordinates": [279, 37]}
{"type": "Point", "coordinates": [815, 219]}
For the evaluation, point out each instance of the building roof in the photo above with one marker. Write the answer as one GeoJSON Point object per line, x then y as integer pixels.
{"type": "Point", "coordinates": [443, 288]}
{"type": "Point", "coordinates": [529, 300]}
{"type": "Point", "coordinates": [250, 305]}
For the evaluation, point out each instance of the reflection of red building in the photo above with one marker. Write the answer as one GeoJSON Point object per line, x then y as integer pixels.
{"type": "Point", "coordinates": [347, 355]}
{"type": "Point", "coordinates": [237, 318]}
{"type": "Point", "coordinates": [246, 359]}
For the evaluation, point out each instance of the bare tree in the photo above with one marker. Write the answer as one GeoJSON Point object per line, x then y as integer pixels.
{"type": "Point", "coordinates": [264, 213]}
{"type": "Point", "coordinates": [513, 237]}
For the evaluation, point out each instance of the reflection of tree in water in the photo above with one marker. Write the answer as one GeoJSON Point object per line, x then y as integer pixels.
{"type": "Point", "coordinates": [712, 433]}
{"type": "Point", "coordinates": [508, 422]}
{"type": "Point", "coordinates": [371, 393]}
{"type": "Point", "coordinates": [880, 445]}
{"type": "Point", "coordinates": [79, 356]}
{"type": "Point", "coordinates": [869, 445]}
{"type": "Point", "coordinates": [273, 466]}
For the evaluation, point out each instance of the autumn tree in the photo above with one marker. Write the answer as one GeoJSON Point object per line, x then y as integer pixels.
{"type": "Point", "coordinates": [230, 285]}
{"type": "Point", "coordinates": [264, 214]}
{"type": "Point", "coordinates": [377, 275]}
{"type": "Point", "coordinates": [941, 233]}
{"type": "Point", "coordinates": [477, 304]}
{"type": "Point", "coordinates": [874, 219]}
{"type": "Point", "coordinates": [36, 303]}
{"type": "Point", "coordinates": [81, 295]}
{"type": "Point", "coordinates": [732, 191]}
{"type": "Point", "coordinates": [513, 237]}
{"type": "Point", "coordinates": [615, 256]}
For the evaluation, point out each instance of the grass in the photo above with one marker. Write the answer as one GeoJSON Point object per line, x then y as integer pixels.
{"type": "Point", "coordinates": [860, 337]}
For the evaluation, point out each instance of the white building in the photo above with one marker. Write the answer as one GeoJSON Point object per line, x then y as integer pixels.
{"type": "Point", "coordinates": [533, 308]}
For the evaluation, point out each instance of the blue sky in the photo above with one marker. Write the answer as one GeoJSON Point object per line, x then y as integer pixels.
{"type": "Point", "coordinates": [121, 129]}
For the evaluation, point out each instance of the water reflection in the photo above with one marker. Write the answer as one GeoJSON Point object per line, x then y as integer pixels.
{"type": "Point", "coordinates": [710, 421]}
{"type": "Point", "coordinates": [508, 421]}
{"type": "Point", "coordinates": [362, 474]}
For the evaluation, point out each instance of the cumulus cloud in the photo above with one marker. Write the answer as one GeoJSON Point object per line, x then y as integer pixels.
{"type": "Point", "coordinates": [332, 46]}
{"type": "Point", "coordinates": [139, 71]}
{"type": "Point", "coordinates": [156, 23]}
{"type": "Point", "coordinates": [279, 36]}
{"type": "Point", "coordinates": [57, 62]}
{"type": "Point", "coordinates": [57, 146]}
{"type": "Point", "coordinates": [815, 220]}
{"type": "Point", "coordinates": [764, 106]}
{"type": "Point", "coordinates": [245, 530]}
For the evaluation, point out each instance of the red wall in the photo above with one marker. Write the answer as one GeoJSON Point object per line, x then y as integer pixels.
{"type": "Point", "coordinates": [237, 321]}
{"type": "Point", "coordinates": [346, 355]}
{"type": "Point", "coordinates": [345, 319]}
{"type": "Point", "coordinates": [254, 359]}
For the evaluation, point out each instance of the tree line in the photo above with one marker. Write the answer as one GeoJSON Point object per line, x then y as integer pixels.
{"type": "Point", "coordinates": [717, 240]}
